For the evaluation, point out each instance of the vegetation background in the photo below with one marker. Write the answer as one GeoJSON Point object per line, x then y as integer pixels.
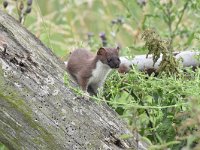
{"type": "Point", "coordinates": [165, 109]}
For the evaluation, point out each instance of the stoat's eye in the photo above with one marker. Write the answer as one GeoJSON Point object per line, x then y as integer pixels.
{"type": "Point", "coordinates": [109, 60]}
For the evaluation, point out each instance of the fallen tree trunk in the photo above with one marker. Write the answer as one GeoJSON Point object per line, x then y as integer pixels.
{"type": "Point", "coordinates": [37, 111]}
{"type": "Point", "coordinates": [143, 63]}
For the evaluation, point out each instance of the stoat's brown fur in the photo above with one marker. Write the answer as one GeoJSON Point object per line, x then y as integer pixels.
{"type": "Point", "coordinates": [90, 70]}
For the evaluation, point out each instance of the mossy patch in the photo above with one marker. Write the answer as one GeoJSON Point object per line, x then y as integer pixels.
{"type": "Point", "coordinates": [15, 102]}
{"type": "Point", "coordinates": [3, 147]}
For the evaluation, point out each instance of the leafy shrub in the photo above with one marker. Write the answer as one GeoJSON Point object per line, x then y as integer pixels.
{"type": "Point", "coordinates": [158, 107]}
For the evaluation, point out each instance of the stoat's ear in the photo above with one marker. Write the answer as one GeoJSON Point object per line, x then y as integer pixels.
{"type": "Point", "coordinates": [118, 48]}
{"type": "Point", "coordinates": [101, 51]}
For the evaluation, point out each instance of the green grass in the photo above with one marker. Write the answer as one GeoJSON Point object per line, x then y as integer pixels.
{"type": "Point", "coordinates": [157, 107]}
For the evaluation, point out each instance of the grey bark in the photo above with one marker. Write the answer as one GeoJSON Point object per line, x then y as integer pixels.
{"type": "Point", "coordinates": [37, 111]}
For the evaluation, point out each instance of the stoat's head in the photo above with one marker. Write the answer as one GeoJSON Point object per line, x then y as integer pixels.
{"type": "Point", "coordinates": [109, 56]}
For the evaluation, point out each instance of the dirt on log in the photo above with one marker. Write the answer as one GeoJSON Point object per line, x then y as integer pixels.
{"type": "Point", "coordinates": [37, 111]}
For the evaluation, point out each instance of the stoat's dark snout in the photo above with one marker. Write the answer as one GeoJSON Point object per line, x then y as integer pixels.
{"type": "Point", "coordinates": [114, 62]}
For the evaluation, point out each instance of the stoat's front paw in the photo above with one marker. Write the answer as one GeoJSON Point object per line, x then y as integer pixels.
{"type": "Point", "coordinates": [86, 96]}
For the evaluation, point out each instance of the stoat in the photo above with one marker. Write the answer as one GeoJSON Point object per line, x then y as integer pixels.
{"type": "Point", "coordinates": [90, 70]}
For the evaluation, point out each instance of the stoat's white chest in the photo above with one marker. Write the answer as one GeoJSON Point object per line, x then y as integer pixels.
{"type": "Point", "coordinates": [99, 74]}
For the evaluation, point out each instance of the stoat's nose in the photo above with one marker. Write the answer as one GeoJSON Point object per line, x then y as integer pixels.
{"type": "Point", "coordinates": [118, 63]}
{"type": "Point", "coordinates": [114, 62]}
{"type": "Point", "coordinates": [117, 66]}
